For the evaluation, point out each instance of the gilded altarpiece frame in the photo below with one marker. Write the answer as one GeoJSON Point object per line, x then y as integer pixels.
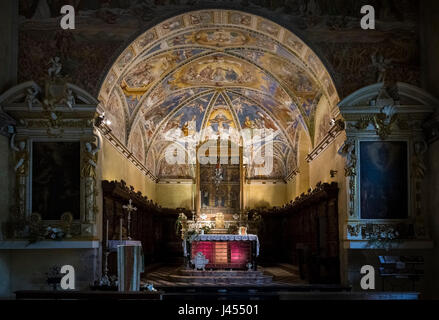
{"type": "Point", "coordinates": [61, 113]}
{"type": "Point", "coordinates": [236, 182]}
{"type": "Point", "coordinates": [385, 115]}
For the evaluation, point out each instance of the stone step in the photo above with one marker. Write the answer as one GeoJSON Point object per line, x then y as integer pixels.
{"type": "Point", "coordinates": [220, 273]}
{"type": "Point", "coordinates": [220, 276]}
{"type": "Point", "coordinates": [220, 280]}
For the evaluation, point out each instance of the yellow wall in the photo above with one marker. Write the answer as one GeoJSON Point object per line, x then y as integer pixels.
{"type": "Point", "coordinates": [302, 177]}
{"type": "Point", "coordinates": [116, 167]}
{"type": "Point", "coordinates": [291, 190]}
{"type": "Point", "coordinates": [265, 195]}
{"type": "Point", "coordinates": [174, 195]}
{"type": "Point", "coordinates": [257, 195]}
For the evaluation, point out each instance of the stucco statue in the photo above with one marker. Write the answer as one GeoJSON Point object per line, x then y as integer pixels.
{"type": "Point", "coordinates": [200, 261]}
{"type": "Point", "coordinates": [91, 158]}
{"type": "Point", "coordinates": [381, 65]}
{"type": "Point", "coordinates": [21, 169]}
{"type": "Point", "coordinates": [70, 99]}
{"type": "Point", "coordinates": [347, 150]}
{"type": "Point", "coordinates": [31, 94]}
{"type": "Point", "coordinates": [21, 164]}
{"type": "Point", "coordinates": [55, 67]}
{"type": "Point", "coordinates": [88, 172]}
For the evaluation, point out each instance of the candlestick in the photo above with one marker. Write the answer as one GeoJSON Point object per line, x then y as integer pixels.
{"type": "Point", "coordinates": [120, 232]}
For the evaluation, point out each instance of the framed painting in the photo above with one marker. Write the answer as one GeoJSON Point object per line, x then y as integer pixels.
{"type": "Point", "coordinates": [384, 186]}
{"type": "Point", "coordinates": [56, 179]}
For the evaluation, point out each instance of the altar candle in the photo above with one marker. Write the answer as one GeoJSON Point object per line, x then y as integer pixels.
{"type": "Point", "coordinates": [120, 229]}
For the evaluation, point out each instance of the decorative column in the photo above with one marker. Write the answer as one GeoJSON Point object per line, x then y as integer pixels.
{"type": "Point", "coordinates": [88, 174]}
{"type": "Point", "coordinates": [21, 168]}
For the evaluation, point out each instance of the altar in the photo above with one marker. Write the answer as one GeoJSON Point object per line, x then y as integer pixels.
{"type": "Point", "coordinates": [224, 251]}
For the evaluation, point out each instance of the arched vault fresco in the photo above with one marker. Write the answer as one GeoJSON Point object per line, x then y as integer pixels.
{"type": "Point", "coordinates": [207, 71]}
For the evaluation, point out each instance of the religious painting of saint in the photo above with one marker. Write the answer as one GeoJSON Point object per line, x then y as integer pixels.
{"type": "Point", "coordinates": [56, 179]}
{"type": "Point", "coordinates": [383, 180]}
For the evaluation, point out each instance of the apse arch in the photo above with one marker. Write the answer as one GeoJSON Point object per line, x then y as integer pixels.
{"type": "Point", "coordinates": [178, 60]}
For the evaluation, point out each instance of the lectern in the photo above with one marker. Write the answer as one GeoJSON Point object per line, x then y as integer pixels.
{"type": "Point", "coordinates": [129, 266]}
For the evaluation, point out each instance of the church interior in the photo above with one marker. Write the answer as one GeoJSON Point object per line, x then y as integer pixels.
{"type": "Point", "coordinates": [257, 149]}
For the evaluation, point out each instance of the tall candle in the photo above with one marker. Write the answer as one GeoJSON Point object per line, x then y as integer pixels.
{"type": "Point", "coordinates": [107, 236]}
{"type": "Point", "coordinates": [120, 229]}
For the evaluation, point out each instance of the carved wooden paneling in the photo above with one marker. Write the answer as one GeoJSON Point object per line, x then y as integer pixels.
{"type": "Point", "coordinates": [305, 233]}
{"type": "Point", "coordinates": [151, 224]}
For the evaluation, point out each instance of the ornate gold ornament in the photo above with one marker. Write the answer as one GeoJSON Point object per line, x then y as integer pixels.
{"type": "Point", "coordinates": [36, 230]}
{"type": "Point", "coordinates": [383, 121]}
{"type": "Point", "coordinates": [362, 124]}
{"type": "Point", "coordinates": [66, 222]}
{"type": "Point", "coordinates": [353, 230]}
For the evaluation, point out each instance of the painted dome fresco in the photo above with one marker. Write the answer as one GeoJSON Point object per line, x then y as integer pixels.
{"type": "Point", "coordinates": [209, 73]}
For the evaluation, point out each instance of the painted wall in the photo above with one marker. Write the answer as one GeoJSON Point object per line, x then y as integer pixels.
{"type": "Point", "coordinates": [116, 167]}
{"type": "Point", "coordinates": [5, 284]}
{"type": "Point", "coordinates": [265, 195]}
{"type": "Point", "coordinates": [174, 195]}
{"type": "Point", "coordinates": [9, 40]}
{"type": "Point", "coordinates": [257, 195]}
{"type": "Point", "coordinates": [304, 149]}
{"type": "Point", "coordinates": [8, 78]}
{"type": "Point", "coordinates": [291, 190]}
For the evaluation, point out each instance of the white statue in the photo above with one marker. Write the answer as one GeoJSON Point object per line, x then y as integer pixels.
{"type": "Point", "coordinates": [90, 158]}
{"type": "Point", "coordinates": [200, 261]}
{"type": "Point", "coordinates": [22, 156]}
{"type": "Point", "coordinates": [347, 150]}
{"type": "Point", "coordinates": [21, 169]}
{"type": "Point", "coordinates": [88, 172]}
{"type": "Point", "coordinates": [31, 94]}
{"type": "Point", "coordinates": [55, 67]}
{"type": "Point", "coordinates": [70, 99]}
{"type": "Point", "coordinates": [381, 65]}
{"type": "Point", "coordinates": [389, 112]}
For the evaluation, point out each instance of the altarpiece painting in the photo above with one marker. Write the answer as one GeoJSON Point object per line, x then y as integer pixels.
{"type": "Point", "coordinates": [384, 180]}
{"type": "Point", "coordinates": [56, 179]}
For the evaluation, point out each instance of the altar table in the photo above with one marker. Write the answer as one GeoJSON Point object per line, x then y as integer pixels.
{"type": "Point", "coordinates": [224, 251]}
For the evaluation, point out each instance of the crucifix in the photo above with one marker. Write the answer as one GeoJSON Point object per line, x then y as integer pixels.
{"type": "Point", "coordinates": [129, 207]}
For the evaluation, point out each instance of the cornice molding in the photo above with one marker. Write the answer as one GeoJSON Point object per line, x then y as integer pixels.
{"type": "Point", "coordinates": [333, 133]}
{"type": "Point", "coordinates": [119, 146]}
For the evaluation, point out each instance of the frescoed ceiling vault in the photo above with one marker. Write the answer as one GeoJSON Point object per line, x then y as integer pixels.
{"type": "Point", "coordinates": [204, 73]}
